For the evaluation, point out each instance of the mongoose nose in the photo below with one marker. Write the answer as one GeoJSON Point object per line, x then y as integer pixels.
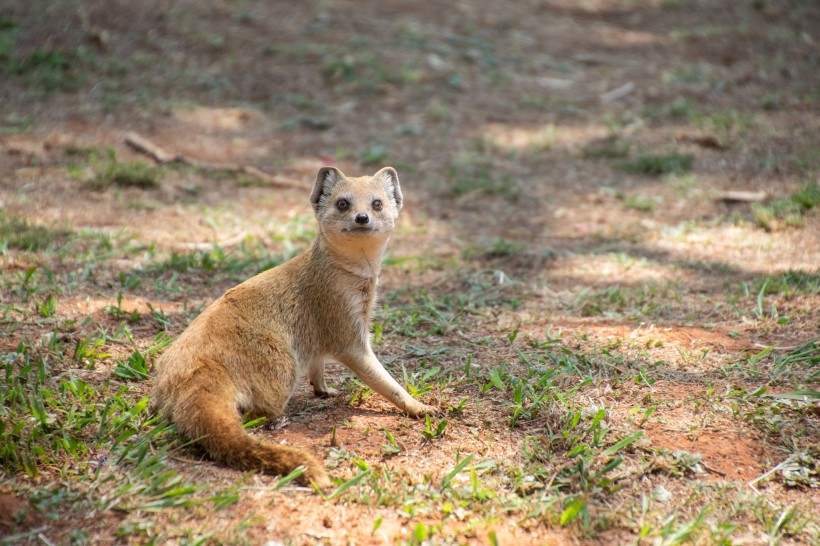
{"type": "Point", "coordinates": [362, 219]}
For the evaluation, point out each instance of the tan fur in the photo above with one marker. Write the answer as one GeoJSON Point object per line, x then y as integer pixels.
{"type": "Point", "coordinates": [246, 351]}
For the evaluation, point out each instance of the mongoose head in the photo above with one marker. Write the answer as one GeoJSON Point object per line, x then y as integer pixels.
{"type": "Point", "coordinates": [356, 212]}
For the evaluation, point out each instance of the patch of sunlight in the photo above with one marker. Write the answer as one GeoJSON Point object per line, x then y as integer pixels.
{"type": "Point", "coordinates": [613, 268]}
{"type": "Point", "coordinates": [741, 246]}
{"type": "Point", "coordinates": [539, 137]}
{"type": "Point", "coordinates": [219, 119]}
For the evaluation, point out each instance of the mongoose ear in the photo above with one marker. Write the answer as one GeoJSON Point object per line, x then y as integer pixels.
{"type": "Point", "coordinates": [392, 178]}
{"type": "Point", "coordinates": [326, 179]}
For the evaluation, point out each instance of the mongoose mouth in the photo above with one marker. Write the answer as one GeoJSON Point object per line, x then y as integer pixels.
{"type": "Point", "coordinates": [359, 230]}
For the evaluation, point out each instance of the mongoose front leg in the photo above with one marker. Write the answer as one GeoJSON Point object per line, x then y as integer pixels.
{"type": "Point", "coordinates": [368, 368]}
{"type": "Point", "coordinates": [316, 374]}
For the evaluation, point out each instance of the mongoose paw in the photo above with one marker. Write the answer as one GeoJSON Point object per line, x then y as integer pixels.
{"type": "Point", "coordinates": [321, 481]}
{"type": "Point", "coordinates": [421, 410]}
{"type": "Point", "coordinates": [329, 392]}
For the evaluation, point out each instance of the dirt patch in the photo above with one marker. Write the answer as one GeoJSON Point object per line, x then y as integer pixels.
{"type": "Point", "coordinates": [679, 336]}
{"type": "Point", "coordinates": [16, 514]}
{"type": "Point", "coordinates": [727, 455]}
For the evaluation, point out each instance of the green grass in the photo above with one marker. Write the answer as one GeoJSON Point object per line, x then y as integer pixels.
{"type": "Point", "coordinates": [43, 69]}
{"type": "Point", "coordinates": [417, 314]}
{"type": "Point", "coordinates": [807, 197]}
{"type": "Point", "coordinates": [580, 452]}
{"type": "Point", "coordinates": [107, 449]}
{"type": "Point", "coordinates": [656, 165]}
{"type": "Point", "coordinates": [789, 284]}
{"type": "Point", "coordinates": [21, 234]}
{"type": "Point", "coordinates": [685, 185]}
{"type": "Point", "coordinates": [248, 259]}
{"type": "Point", "coordinates": [53, 416]}
{"type": "Point", "coordinates": [807, 161]}
{"type": "Point", "coordinates": [787, 211]}
{"type": "Point", "coordinates": [471, 174]}
{"type": "Point", "coordinates": [360, 66]}
{"type": "Point", "coordinates": [13, 124]}
{"type": "Point", "coordinates": [607, 148]}
{"type": "Point", "coordinates": [423, 317]}
{"type": "Point", "coordinates": [109, 170]}
{"type": "Point", "coordinates": [798, 368]}
{"type": "Point", "coordinates": [725, 125]}
{"type": "Point", "coordinates": [495, 248]}
{"type": "Point", "coordinates": [9, 30]}
{"type": "Point", "coordinates": [681, 108]}
{"type": "Point", "coordinates": [375, 155]}
{"type": "Point", "coordinates": [135, 368]}
{"type": "Point", "coordinates": [631, 302]}
{"type": "Point", "coordinates": [697, 75]}
{"type": "Point", "coordinates": [580, 457]}
{"type": "Point", "coordinates": [639, 202]}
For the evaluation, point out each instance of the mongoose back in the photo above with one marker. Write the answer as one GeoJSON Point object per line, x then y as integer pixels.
{"type": "Point", "coordinates": [246, 351]}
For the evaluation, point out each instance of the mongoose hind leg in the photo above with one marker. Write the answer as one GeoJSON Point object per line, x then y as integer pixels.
{"type": "Point", "coordinates": [316, 374]}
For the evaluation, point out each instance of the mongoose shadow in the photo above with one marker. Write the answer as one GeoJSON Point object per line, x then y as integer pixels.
{"type": "Point", "coordinates": [247, 350]}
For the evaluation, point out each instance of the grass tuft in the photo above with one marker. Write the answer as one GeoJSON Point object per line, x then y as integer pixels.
{"type": "Point", "coordinates": [607, 148]}
{"type": "Point", "coordinates": [19, 233]}
{"type": "Point", "coordinates": [45, 69]}
{"type": "Point", "coordinates": [110, 171]}
{"type": "Point", "coordinates": [473, 175]}
{"type": "Point", "coordinates": [788, 211]}
{"type": "Point", "coordinates": [656, 165]}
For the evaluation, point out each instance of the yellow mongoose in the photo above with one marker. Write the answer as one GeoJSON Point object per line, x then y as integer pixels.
{"type": "Point", "coordinates": [246, 351]}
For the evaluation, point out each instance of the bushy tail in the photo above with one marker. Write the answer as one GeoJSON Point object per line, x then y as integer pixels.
{"type": "Point", "coordinates": [217, 427]}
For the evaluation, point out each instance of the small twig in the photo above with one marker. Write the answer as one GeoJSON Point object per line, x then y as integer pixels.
{"type": "Point", "coordinates": [742, 196]}
{"type": "Point", "coordinates": [752, 483]}
{"type": "Point", "coordinates": [712, 470]}
{"type": "Point", "coordinates": [145, 146]}
{"type": "Point", "coordinates": [761, 346]}
{"type": "Point", "coordinates": [548, 485]}
{"type": "Point", "coordinates": [617, 93]}
{"type": "Point", "coordinates": [766, 474]}
{"type": "Point", "coordinates": [271, 179]}
{"type": "Point", "coordinates": [158, 154]}
{"type": "Point", "coordinates": [44, 539]}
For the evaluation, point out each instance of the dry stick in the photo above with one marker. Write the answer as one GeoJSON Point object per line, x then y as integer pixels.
{"type": "Point", "coordinates": [761, 346]}
{"type": "Point", "coordinates": [742, 196]}
{"type": "Point", "coordinates": [45, 540]}
{"type": "Point", "coordinates": [713, 470]}
{"type": "Point", "coordinates": [617, 93]}
{"type": "Point", "coordinates": [145, 146]}
{"type": "Point", "coordinates": [752, 483]}
{"type": "Point", "coordinates": [770, 472]}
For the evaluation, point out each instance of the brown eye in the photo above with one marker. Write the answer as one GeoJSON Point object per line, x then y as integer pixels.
{"type": "Point", "coordinates": [342, 204]}
{"type": "Point", "coordinates": [377, 205]}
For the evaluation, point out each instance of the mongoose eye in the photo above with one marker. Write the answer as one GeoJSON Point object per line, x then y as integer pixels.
{"type": "Point", "coordinates": [377, 204]}
{"type": "Point", "coordinates": [342, 204]}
